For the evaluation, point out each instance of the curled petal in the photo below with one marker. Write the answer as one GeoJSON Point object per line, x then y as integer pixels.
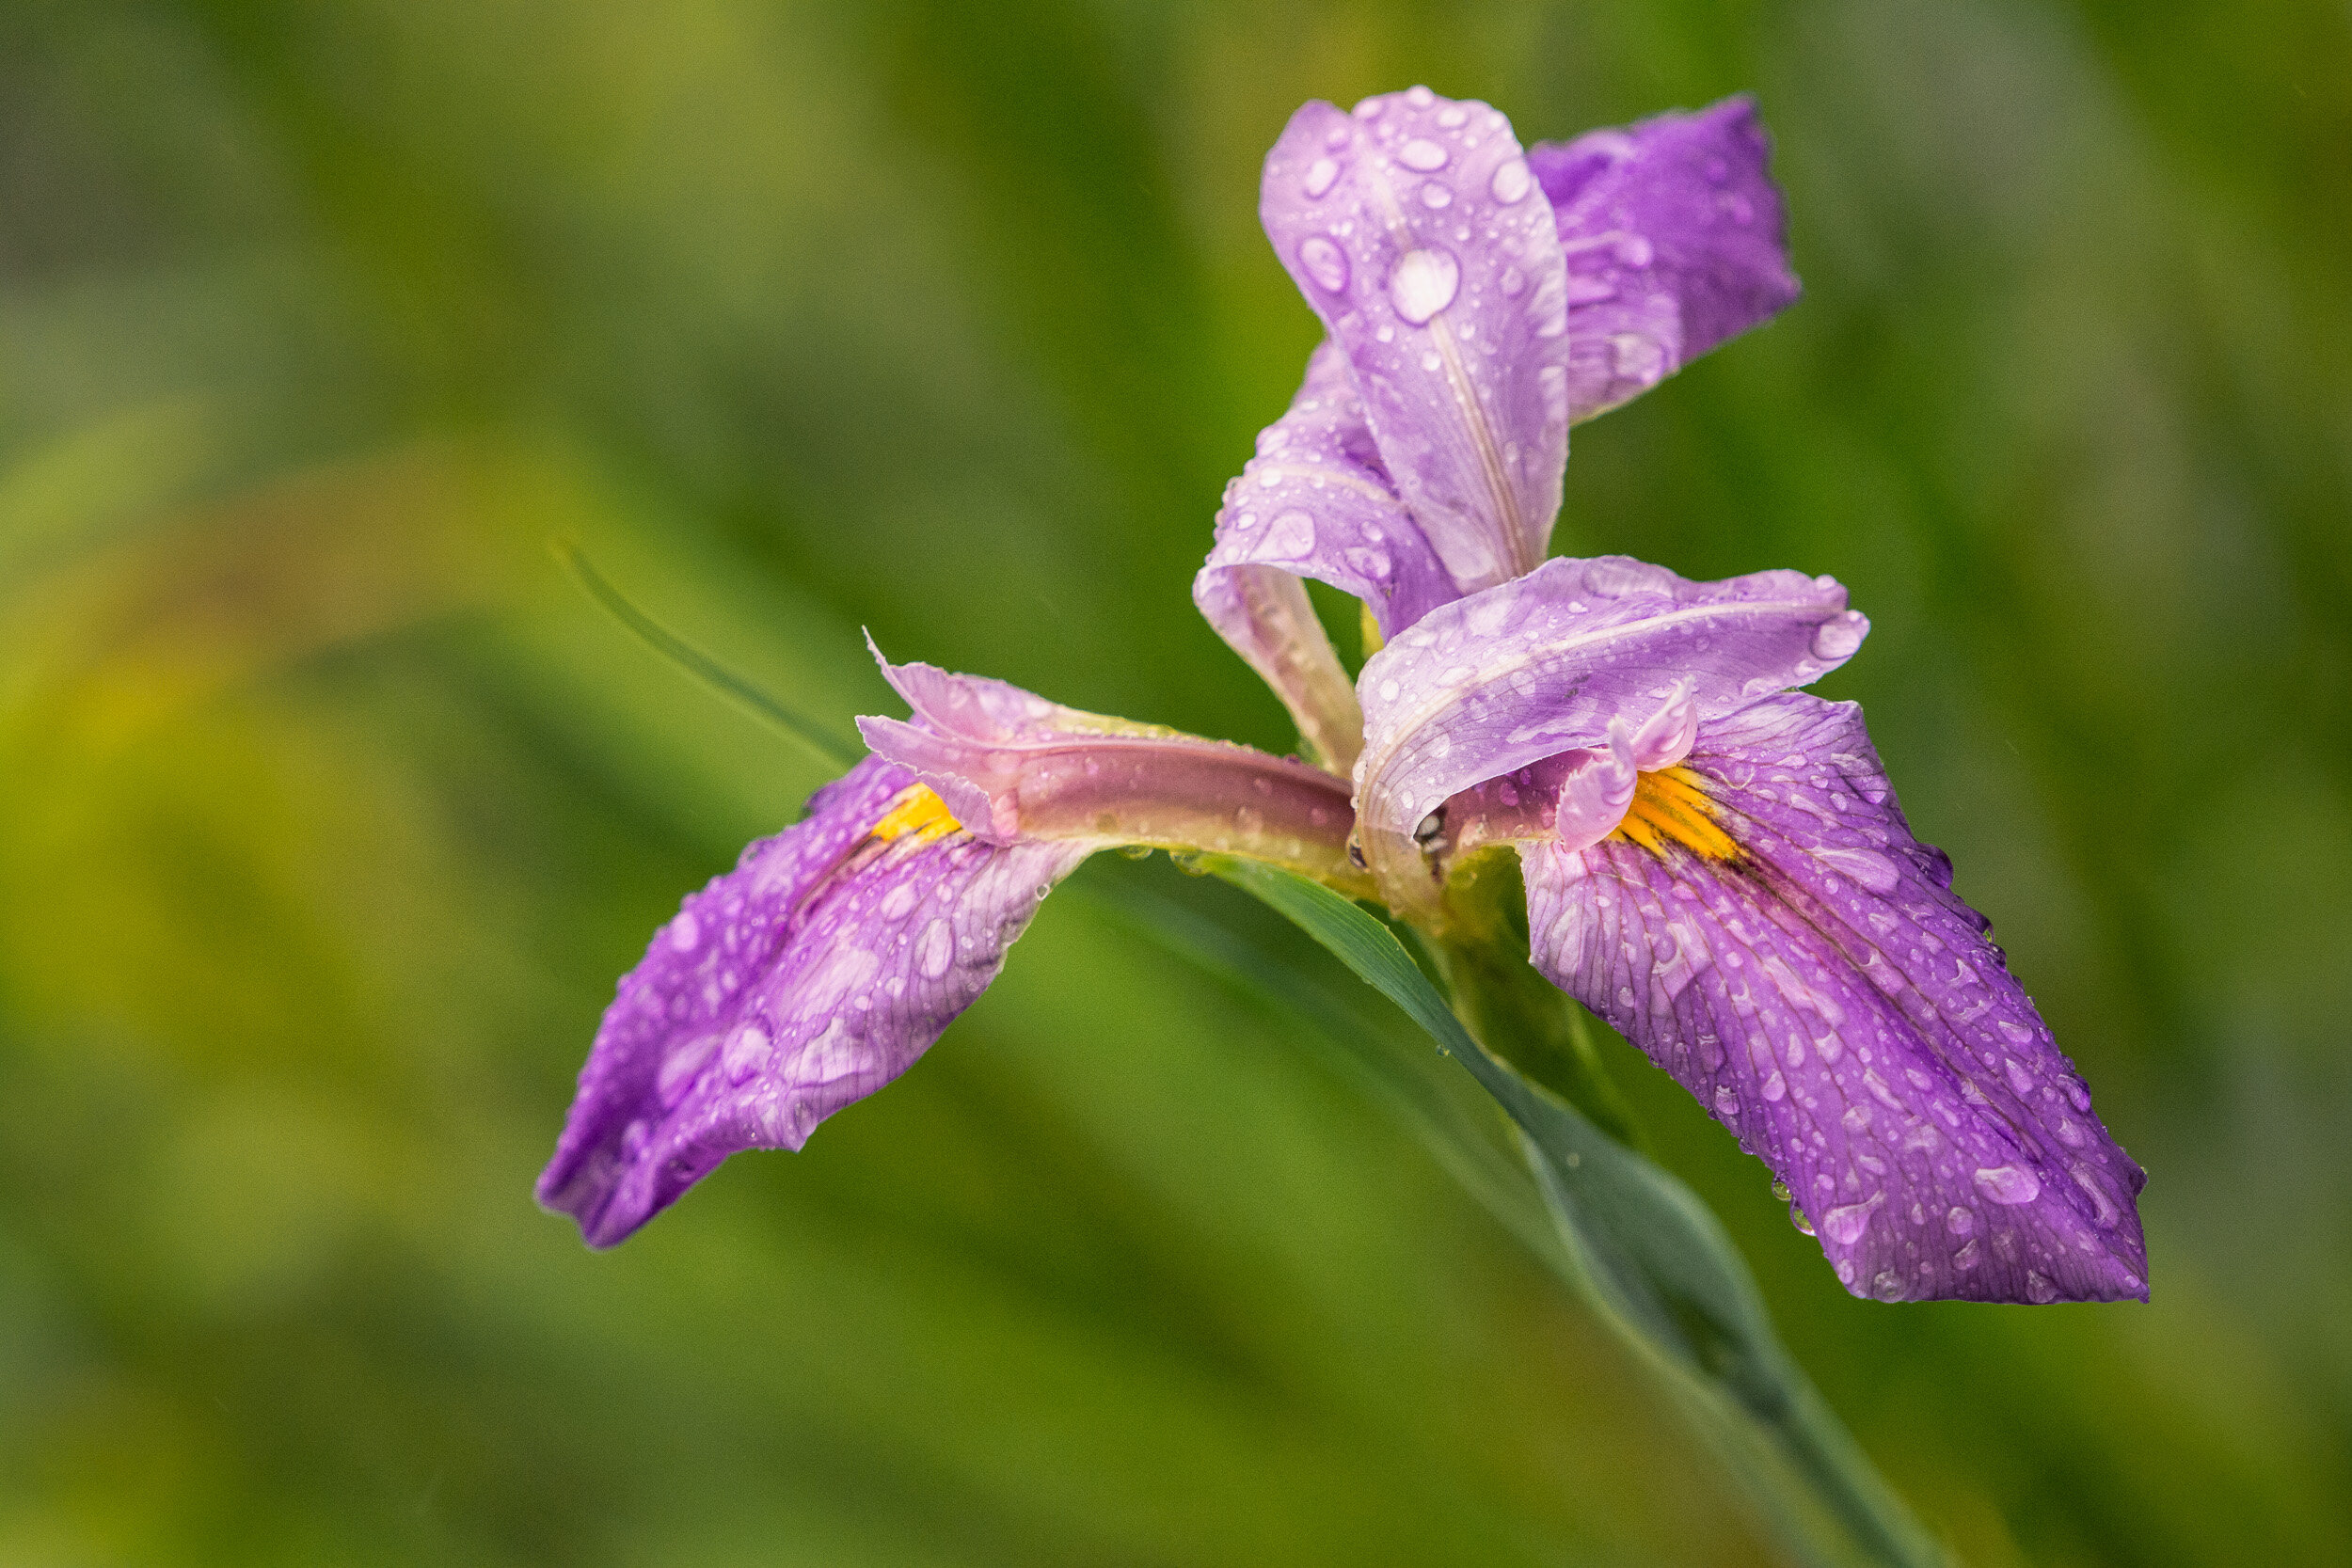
{"type": "Point", "coordinates": [1674, 239]}
{"type": "Point", "coordinates": [1060, 774]}
{"type": "Point", "coordinates": [1315, 502]}
{"type": "Point", "coordinates": [1598, 788]}
{"type": "Point", "coordinates": [1768, 930]}
{"type": "Point", "coordinates": [809, 977]}
{"type": "Point", "coordinates": [1416, 231]}
{"type": "Point", "coordinates": [1542, 664]}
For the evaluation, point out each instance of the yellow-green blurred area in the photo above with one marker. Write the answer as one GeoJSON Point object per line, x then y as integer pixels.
{"type": "Point", "coordinates": [330, 810]}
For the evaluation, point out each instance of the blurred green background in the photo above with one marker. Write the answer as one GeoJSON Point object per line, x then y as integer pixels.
{"type": "Point", "coordinates": [329, 810]}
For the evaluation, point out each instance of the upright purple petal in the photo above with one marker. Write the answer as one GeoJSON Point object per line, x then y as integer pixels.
{"type": "Point", "coordinates": [809, 977]}
{"type": "Point", "coordinates": [1543, 664]}
{"type": "Point", "coordinates": [1674, 239]}
{"type": "Point", "coordinates": [1768, 930]}
{"type": "Point", "coordinates": [1416, 231]}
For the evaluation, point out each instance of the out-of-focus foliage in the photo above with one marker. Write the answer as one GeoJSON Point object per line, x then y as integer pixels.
{"type": "Point", "coordinates": [330, 811]}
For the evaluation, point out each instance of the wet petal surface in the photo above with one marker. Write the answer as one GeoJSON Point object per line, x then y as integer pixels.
{"type": "Point", "coordinates": [806, 978]}
{"type": "Point", "coordinates": [1675, 239]}
{"type": "Point", "coordinates": [1415, 230]}
{"type": "Point", "coordinates": [1015, 767]}
{"type": "Point", "coordinates": [1814, 981]}
{"type": "Point", "coordinates": [1541, 665]}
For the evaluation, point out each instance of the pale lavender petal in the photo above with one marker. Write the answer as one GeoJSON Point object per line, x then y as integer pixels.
{"type": "Point", "coordinates": [1827, 997]}
{"type": "Point", "coordinates": [1542, 664]}
{"type": "Point", "coordinates": [1029, 770]}
{"type": "Point", "coordinates": [1315, 502]}
{"type": "Point", "coordinates": [1416, 231]}
{"type": "Point", "coordinates": [1598, 788]}
{"type": "Point", "coordinates": [1666, 736]}
{"type": "Point", "coordinates": [1674, 239]}
{"type": "Point", "coordinates": [1175, 794]}
{"type": "Point", "coordinates": [806, 978]}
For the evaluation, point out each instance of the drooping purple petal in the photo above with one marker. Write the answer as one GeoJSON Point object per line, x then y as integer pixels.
{"type": "Point", "coordinates": [809, 977]}
{"type": "Point", "coordinates": [1827, 997]}
{"type": "Point", "coordinates": [1014, 767]}
{"type": "Point", "coordinates": [1542, 664]}
{"type": "Point", "coordinates": [1416, 231]}
{"type": "Point", "coordinates": [1674, 239]}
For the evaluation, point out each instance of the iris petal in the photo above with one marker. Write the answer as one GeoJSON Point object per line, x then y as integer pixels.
{"type": "Point", "coordinates": [1674, 239]}
{"type": "Point", "coordinates": [1414, 230]}
{"type": "Point", "coordinates": [1827, 997]}
{"type": "Point", "coordinates": [806, 978]}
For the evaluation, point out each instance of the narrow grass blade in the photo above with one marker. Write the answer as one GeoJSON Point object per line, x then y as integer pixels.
{"type": "Point", "coordinates": [1655, 1263]}
{"type": "Point", "coordinates": [819, 740]}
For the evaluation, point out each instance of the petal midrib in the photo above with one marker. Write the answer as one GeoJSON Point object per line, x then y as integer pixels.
{"type": "Point", "coordinates": [1377, 762]}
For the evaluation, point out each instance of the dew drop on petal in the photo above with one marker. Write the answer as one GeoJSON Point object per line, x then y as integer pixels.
{"type": "Point", "coordinates": [1421, 154]}
{"type": "Point", "coordinates": [2038, 1288]}
{"type": "Point", "coordinates": [1290, 537]}
{"type": "Point", "coordinates": [1321, 174]}
{"type": "Point", "coordinates": [934, 950]}
{"type": "Point", "coordinates": [1838, 638]}
{"type": "Point", "coordinates": [1511, 181]}
{"type": "Point", "coordinates": [1423, 283]}
{"type": "Point", "coordinates": [896, 902]}
{"type": "Point", "coordinates": [685, 932]}
{"type": "Point", "coordinates": [1325, 263]}
{"type": "Point", "coordinates": [1435, 196]}
{"type": "Point", "coordinates": [682, 1067]}
{"type": "Point", "coordinates": [2010, 1184]}
{"type": "Point", "coordinates": [745, 1050]}
{"type": "Point", "coordinates": [1845, 1225]}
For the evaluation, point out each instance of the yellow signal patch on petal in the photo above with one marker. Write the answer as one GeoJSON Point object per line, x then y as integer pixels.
{"type": "Point", "coordinates": [1673, 805]}
{"type": "Point", "coordinates": [918, 810]}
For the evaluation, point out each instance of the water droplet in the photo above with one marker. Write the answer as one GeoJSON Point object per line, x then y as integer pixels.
{"type": "Point", "coordinates": [1511, 181]}
{"type": "Point", "coordinates": [1958, 1221]}
{"type": "Point", "coordinates": [2016, 1033]}
{"type": "Point", "coordinates": [1888, 1286]}
{"type": "Point", "coordinates": [2038, 1288]}
{"type": "Point", "coordinates": [1321, 175]}
{"type": "Point", "coordinates": [1780, 1191]}
{"type": "Point", "coordinates": [2019, 1079]}
{"type": "Point", "coordinates": [1421, 155]}
{"type": "Point", "coordinates": [934, 950]}
{"type": "Point", "coordinates": [682, 1067]}
{"type": "Point", "coordinates": [1513, 281]}
{"type": "Point", "coordinates": [1839, 637]}
{"type": "Point", "coordinates": [1325, 263]}
{"type": "Point", "coordinates": [1291, 538]}
{"type": "Point", "coordinates": [1868, 867]}
{"type": "Point", "coordinates": [745, 1050]}
{"type": "Point", "coordinates": [1423, 283]}
{"type": "Point", "coordinates": [896, 902]}
{"type": "Point", "coordinates": [1845, 1225]}
{"type": "Point", "coordinates": [686, 932]}
{"type": "Point", "coordinates": [1135, 851]}
{"type": "Point", "coordinates": [2010, 1184]}
{"type": "Point", "coordinates": [1435, 195]}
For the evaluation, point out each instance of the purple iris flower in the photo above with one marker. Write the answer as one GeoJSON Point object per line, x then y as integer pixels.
{"type": "Point", "coordinates": [835, 953]}
{"type": "Point", "coordinates": [1714, 863]}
